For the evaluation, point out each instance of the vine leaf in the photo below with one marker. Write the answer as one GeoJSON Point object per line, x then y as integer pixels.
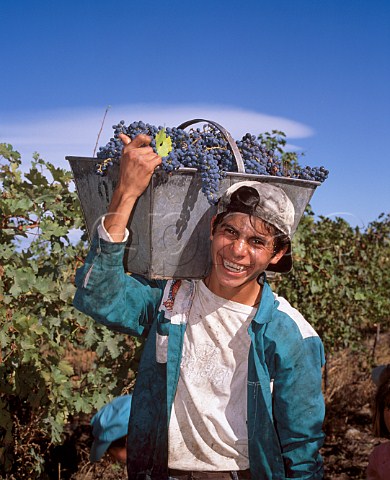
{"type": "Point", "coordinates": [163, 143]}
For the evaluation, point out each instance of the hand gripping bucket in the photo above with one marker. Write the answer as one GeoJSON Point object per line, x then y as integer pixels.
{"type": "Point", "coordinates": [170, 224]}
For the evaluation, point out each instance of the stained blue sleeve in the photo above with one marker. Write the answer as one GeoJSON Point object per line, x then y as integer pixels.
{"type": "Point", "coordinates": [298, 403]}
{"type": "Point", "coordinates": [122, 302]}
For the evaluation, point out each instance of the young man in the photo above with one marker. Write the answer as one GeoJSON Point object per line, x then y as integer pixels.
{"type": "Point", "coordinates": [229, 385]}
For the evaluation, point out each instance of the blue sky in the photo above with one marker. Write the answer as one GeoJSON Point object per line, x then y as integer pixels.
{"type": "Point", "coordinates": [318, 70]}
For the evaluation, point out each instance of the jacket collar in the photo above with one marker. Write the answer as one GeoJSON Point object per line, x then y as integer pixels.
{"type": "Point", "coordinates": [264, 312]}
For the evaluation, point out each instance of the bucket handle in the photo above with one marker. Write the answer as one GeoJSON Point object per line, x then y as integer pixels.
{"type": "Point", "coordinates": [226, 134]}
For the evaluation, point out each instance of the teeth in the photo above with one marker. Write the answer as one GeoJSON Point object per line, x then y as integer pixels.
{"type": "Point", "coordinates": [233, 266]}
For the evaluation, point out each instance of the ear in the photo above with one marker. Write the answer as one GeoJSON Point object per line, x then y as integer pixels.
{"type": "Point", "coordinates": [211, 226]}
{"type": "Point", "coordinates": [275, 259]}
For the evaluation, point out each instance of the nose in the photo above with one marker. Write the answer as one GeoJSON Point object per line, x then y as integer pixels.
{"type": "Point", "coordinates": [239, 247]}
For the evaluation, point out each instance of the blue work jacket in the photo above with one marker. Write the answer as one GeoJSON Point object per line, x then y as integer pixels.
{"type": "Point", "coordinates": [285, 406]}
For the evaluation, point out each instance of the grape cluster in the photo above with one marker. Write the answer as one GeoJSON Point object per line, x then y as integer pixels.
{"type": "Point", "coordinates": [208, 151]}
{"type": "Point", "coordinates": [112, 151]}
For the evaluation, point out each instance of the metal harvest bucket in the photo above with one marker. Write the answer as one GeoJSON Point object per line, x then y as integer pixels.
{"type": "Point", "coordinates": [170, 224]}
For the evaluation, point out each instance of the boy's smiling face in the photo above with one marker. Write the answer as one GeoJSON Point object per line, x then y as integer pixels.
{"type": "Point", "coordinates": [241, 249]}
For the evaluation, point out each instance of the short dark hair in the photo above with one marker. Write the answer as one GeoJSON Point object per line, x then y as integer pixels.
{"type": "Point", "coordinates": [245, 200]}
{"type": "Point", "coordinates": [382, 401]}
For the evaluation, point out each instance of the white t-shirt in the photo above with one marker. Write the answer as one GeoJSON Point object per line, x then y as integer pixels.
{"type": "Point", "coordinates": [208, 430]}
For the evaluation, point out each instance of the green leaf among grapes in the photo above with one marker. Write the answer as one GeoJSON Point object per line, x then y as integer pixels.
{"type": "Point", "coordinates": [163, 143]}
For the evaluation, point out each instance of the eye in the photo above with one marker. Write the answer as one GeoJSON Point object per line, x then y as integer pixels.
{"type": "Point", "coordinates": [258, 242]}
{"type": "Point", "coordinates": [229, 231]}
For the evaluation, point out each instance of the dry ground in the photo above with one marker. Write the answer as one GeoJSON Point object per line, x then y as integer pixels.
{"type": "Point", "coordinates": [348, 393]}
{"type": "Point", "coordinates": [349, 398]}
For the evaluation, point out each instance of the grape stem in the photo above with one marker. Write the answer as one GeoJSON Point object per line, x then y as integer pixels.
{"type": "Point", "coordinates": [100, 131]}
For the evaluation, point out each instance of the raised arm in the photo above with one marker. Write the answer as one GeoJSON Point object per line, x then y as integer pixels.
{"type": "Point", "coordinates": [104, 291]}
{"type": "Point", "coordinates": [137, 165]}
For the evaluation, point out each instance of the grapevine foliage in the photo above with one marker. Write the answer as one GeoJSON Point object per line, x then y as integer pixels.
{"type": "Point", "coordinates": [54, 362]}
{"type": "Point", "coordinates": [340, 280]}
{"type": "Point", "coordinates": [163, 143]}
{"type": "Point", "coordinates": [208, 151]}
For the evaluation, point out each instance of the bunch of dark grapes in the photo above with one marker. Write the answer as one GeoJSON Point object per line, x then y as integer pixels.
{"type": "Point", "coordinates": [319, 174]}
{"type": "Point", "coordinates": [208, 151]}
{"type": "Point", "coordinates": [257, 159]}
{"type": "Point", "coordinates": [112, 151]}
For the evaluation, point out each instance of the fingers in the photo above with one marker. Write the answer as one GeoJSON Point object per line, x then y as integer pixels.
{"type": "Point", "coordinates": [156, 162]}
{"type": "Point", "coordinates": [125, 139]}
{"type": "Point", "coordinates": [138, 154]}
{"type": "Point", "coordinates": [140, 140]}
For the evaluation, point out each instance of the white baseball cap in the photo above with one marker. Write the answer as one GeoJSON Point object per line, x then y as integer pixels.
{"type": "Point", "coordinates": [274, 207]}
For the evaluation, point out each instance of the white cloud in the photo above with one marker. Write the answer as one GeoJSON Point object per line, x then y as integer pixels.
{"type": "Point", "coordinates": [61, 132]}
